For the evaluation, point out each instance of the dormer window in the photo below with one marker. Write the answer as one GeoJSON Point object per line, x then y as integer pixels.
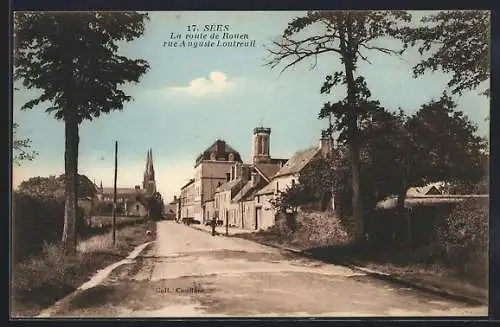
{"type": "Point", "coordinates": [213, 156]}
{"type": "Point", "coordinates": [231, 157]}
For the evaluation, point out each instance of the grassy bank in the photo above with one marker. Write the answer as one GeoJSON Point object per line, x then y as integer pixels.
{"type": "Point", "coordinates": [40, 281]}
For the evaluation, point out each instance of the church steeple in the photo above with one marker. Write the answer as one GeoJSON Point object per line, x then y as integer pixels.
{"type": "Point", "coordinates": [149, 183]}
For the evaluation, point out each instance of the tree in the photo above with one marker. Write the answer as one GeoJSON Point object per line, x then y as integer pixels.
{"type": "Point", "coordinates": [437, 143]}
{"type": "Point", "coordinates": [74, 59]}
{"type": "Point", "coordinates": [315, 185]}
{"type": "Point", "coordinates": [446, 145]}
{"type": "Point", "coordinates": [53, 187]}
{"type": "Point", "coordinates": [458, 43]}
{"type": "Point", "coordinates": [347, 35]}
{"type": "Point", "coordinates": [21, 148]}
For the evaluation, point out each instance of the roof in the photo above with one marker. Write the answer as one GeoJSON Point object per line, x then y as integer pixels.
{"type": "Point", "coordinates": [230, 185]}
{"type": "Point", "coordinates": [296, 163]}
{"type": "Point", "coordinates": [205, 155]}
{"type": "Point", "coordinates": [191, 181]}
{"type": "Point", "coordinates": [121, 190]}
{"type": "Point", "coordinates": [432, 188]}
{"type": "Point", "coordinates": [268, 169]}
{"type": "Point", "coordinates": [248, 190]}
{"type": "Point", "coordinates": [268, 189]}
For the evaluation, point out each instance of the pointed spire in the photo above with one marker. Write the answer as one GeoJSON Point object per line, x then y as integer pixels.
{"type": "Point", "coordinates": [151, 169]}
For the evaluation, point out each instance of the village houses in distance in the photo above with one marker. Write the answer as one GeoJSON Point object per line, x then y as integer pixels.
{"type": "Point", "coordinates": [236, 193]}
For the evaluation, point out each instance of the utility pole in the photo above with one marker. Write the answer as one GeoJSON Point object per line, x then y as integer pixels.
{"type": "Point", "coordinates": [227, 223]}
{"type": "Point", "coordinates": [114, 193]}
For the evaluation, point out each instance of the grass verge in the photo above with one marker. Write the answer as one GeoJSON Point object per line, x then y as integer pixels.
{"type": "Point", "coordinates": [40, 281]}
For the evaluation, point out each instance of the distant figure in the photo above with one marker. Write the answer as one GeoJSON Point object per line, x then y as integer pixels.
{"type": "Point", "coordinates": [213, 223]}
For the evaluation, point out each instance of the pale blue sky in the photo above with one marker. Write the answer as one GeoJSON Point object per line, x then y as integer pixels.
{"type": "Point", "coordinates": [190, 97]}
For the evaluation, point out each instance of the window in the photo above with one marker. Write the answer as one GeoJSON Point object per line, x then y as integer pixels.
{"type": "Point", "coordinates": [293, 182]}
{"type": "Point", "coordinates": [136, 207]}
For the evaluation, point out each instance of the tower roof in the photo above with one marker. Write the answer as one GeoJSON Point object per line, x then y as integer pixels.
{"type": "Point", "coordinates": [266, 130]}
{"type": "Point", "coordinates": [149, 172]}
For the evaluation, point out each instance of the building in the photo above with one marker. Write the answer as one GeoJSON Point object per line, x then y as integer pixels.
{"type": "Point", "coordinates": [130, 201]}
{"type": "Point", "coordinates": [242, 180]}
{"type": "Point", "coordinates": [170, 210]}
{"type": "Point", "coordinates": [187, 200]}
{"type": "Point", "coordinates": [244, 200]}
{"type": "Point", "coordinates": [238, 176]}
{"type": "Point", "coordinates": [238, 193]}
{"type": "Point", "coordinates": [210, 171]}
{"type": "Point", "coordinates": [286, 177]}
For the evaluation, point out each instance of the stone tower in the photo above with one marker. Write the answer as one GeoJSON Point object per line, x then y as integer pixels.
{"type": "Point", "coordinates": [260, 146]}
{"type": "Point", "coordinates": [149, 183]}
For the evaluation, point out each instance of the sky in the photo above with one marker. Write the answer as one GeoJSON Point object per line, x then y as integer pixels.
{"type": "Point", "coordinates": [192, 96]}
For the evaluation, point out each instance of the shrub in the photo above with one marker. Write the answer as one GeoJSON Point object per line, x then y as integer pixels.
{"type": "Point", "coordinates": [36, 220]}
{"type": "Point", "coordinates": [464, 237]}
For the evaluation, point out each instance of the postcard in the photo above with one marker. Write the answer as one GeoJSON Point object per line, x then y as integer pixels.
{"type": "Point", "coordinates": [250, 164]}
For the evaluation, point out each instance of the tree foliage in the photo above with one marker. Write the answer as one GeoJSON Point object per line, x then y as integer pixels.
{"type": "Point", "coordinates": [437, 143]}
{"type": "Point", "coordinates": [457, 43]}
{"type": "Point", "coordinates": [21, 148]}
{"type": "Point", "coordinates": [315, 185]}
{"type": "Point", "coordinates": [347, 36]}
{"type": "Point", "coordinates": [53, 187]}
{"type": "Point", "coordinates": [74, 59]}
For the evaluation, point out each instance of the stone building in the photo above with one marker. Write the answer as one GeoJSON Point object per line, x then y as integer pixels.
{"type": "Point", "coordinates": [244, 179]}
{"type": "Point", "coordinates": [286, 177]}
{"type": "Point", "coordinates": [187, 200]}
{"type": "Point", "coordinates": [210, 171]}
{"type": "Point", "coordinates": [237, 177]}
{"type": "Point", "coordinates": [239, 193]}
{"type": "Point", "coordinates": [130, 201]}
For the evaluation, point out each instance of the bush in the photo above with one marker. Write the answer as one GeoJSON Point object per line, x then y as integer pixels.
{"type": "Point", "coordinates": [37, 220]}
{"type": "Point", "coordinates": [463, 237]}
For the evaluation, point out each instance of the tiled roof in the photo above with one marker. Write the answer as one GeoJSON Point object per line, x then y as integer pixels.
{"type": "Point", "coordinates": [296, 163]}
{"type": "Point", "coordinates": [205, 155]}
{"type": "Point", "coordinates": [268, 169]}
{"type": "Point", "coordinates": [120, 190]}
{"type": "Point", "coordinates": [268, 189]}
{"type": "Point", "coordinates": [191, 181]}
{"type": "Point", "coordinates": [248, 188]}
{"type": "Point", "coordinates": [421, 191]}
{"type": "Point", "coordinates": [230, 185]}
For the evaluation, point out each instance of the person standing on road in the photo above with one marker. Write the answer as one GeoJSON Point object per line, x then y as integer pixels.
{"type": "Point", "coordinates": [213, 223]}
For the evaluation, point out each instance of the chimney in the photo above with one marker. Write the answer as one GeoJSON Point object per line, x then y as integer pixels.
{"type": "Point", "coordinates": [220, 146]}
{"type": "Point", "coordinates": [245, 173]}
{"type": "Point", "coordinates": [326, 146]}
{"type": "Point", "coordinates": [239, 171]}
{"type": "Point", "coordinates": [255, 178]}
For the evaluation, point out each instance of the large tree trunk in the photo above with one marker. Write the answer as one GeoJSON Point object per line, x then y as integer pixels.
{"type": "Point", "coordinates": [71, 180]}
{"type": "Point", "coordinates": [352, 126]}
{"type": "Point", "coordinates": [357, 205]}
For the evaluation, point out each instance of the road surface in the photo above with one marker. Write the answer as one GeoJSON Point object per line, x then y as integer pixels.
{"type": "Point", "coordinates": [188, 272]}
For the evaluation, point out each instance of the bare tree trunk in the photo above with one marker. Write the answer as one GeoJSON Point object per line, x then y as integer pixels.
{"type": "Point", "coordinates": [353, 133]}
{"type": "Point", "coordinates": [357, 205]}
{"type": "Point", "coordinates": [71, 180]}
